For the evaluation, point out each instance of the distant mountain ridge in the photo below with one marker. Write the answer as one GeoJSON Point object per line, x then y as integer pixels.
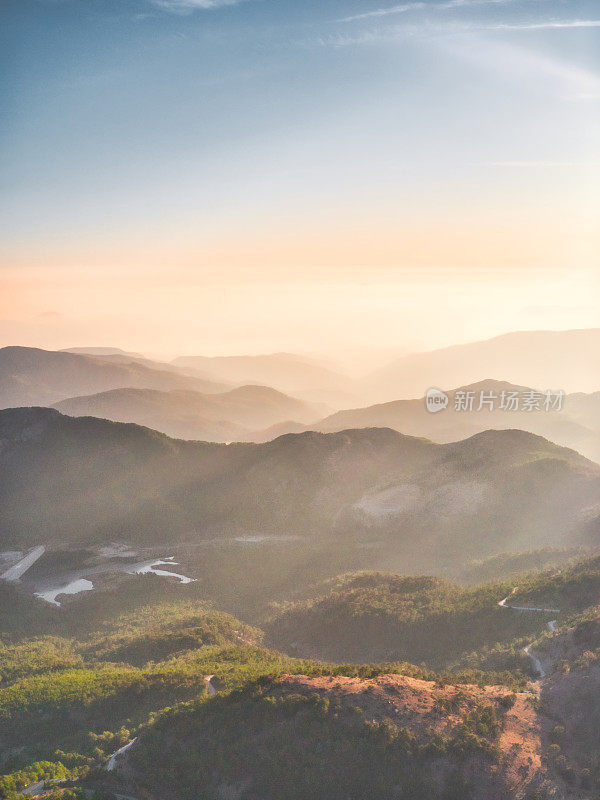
{"type": "Point", "coordinates": [31, 376]}
{"type": "Point", "coordinates": [259, 414]}
{"type": "Point", "coordinates": [101, 351]}
{"type": "Point", "coordinates": [87, 479]}
{"type": "Point", "coordinates": [294, 374]}
{"type": "Point", "coordinates": [566, 360]}
{"type": "Point", "coordinates": [100, 381]}
{"type": "Point", "coordinates": [224, 417]}
{"type": "Point", "coordinates": [575, 425]}
{"type": "Point", "coordinates": [117, 355]}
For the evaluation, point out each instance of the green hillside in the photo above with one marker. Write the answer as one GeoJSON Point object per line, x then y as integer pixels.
{"type": "Point", "coordinates": [382, 617]}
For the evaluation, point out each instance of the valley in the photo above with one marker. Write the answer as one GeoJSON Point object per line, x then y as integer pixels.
{"type": "Point", "coordinates": [180, 618]}
{"type": "Point", "coordinates": [161, 647]}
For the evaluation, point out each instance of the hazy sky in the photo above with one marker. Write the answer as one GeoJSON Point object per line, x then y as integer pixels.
{"type": "Point", "coordinates": [212, 176]}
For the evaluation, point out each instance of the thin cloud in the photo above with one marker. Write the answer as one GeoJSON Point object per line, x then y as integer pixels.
{"type": "Point", "coordinates": [538, 26]}
{"type": "Point", "coordinates": [187, 6]}
{"type": "Point", "coordinates": [384, 12]}
{"type": "Point", "coordinates": [463, 3]}
{"type": "Point", "coordinates": [367, 37]}
{"type": "Point", "coordinates": [464, 41]}
{"type": "Point", "coordinates": [404, 7]}
{"type": "Point", "coordinates": [506, 58]}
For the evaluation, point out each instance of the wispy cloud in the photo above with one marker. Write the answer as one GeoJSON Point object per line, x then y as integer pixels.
{"type": "Point", "coordinates": [509, 59]}
{"type": "Point", "coordinates": [448, 4]}
{"type": "Point", "coordinates": [187, 6]}
{"type": "Point", "coordinates": [365, 37]}
{"type": "Point", "coordinates": [384, 12]}
{"type": "Point", "coordinates": [404, 7]}
{"type": "Point", "coordinates": [524, 64]}
{"type": "Point", "coordinates": [549, 24]}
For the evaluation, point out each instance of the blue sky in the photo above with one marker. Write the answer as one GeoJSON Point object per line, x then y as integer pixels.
{"type": "Point", "coordinates": [271, 140]}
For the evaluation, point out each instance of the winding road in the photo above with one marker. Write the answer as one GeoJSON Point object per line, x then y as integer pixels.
{"type": "Point", "coordinates": [112, 761]}
{"type": "Point", "coordinates": [537, 664]}
{"type": "Point", "coordinates": [503, 604]}
{"type": "Point", "coordinates": [111, 764]}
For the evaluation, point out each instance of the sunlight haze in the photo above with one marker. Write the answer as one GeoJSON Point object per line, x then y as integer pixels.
{"type": "Point", "coordinates": [260, 176]}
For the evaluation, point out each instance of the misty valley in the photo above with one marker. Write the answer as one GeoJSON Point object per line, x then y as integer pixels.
{"type": "Point", "coordinates": [379, 602]}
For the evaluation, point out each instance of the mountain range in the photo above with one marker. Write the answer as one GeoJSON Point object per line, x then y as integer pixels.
{"type": "Point", "coordinates": [135, 688]}
{"type": "Point", "coordinates": [566, 360]}
{"type": "Point", "coordinates": [557, 360]}
{"type": "Point", "coordinates": [259, 414]}
{"type": "Point", "coordinates": [301, 376]}
{"type": "Point", "coordinates": [160, 396]}
{"type": "Point", "coordinates": [31, 376]}
{"type": "Point", "coordinates": [223, 417]}
{"type": "Point", "coordinates": [575, 422]}
{"type": "Point", "coordinates": [89, 480]}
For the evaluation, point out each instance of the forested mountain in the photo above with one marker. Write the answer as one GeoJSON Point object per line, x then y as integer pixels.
{"type": "Point", "coordinates": [130, 669]}
{"type": "Point", "coordinates": [365, 617]}
{"type": "Point", "coordinates": [87, 479]}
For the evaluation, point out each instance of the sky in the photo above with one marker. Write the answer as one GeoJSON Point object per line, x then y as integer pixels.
{"type": "Point", "coordinates": [215, 177]}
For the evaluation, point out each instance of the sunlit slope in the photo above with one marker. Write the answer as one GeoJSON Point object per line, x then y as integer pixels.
{"type": "Point", "coordinates": [86, 479]}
